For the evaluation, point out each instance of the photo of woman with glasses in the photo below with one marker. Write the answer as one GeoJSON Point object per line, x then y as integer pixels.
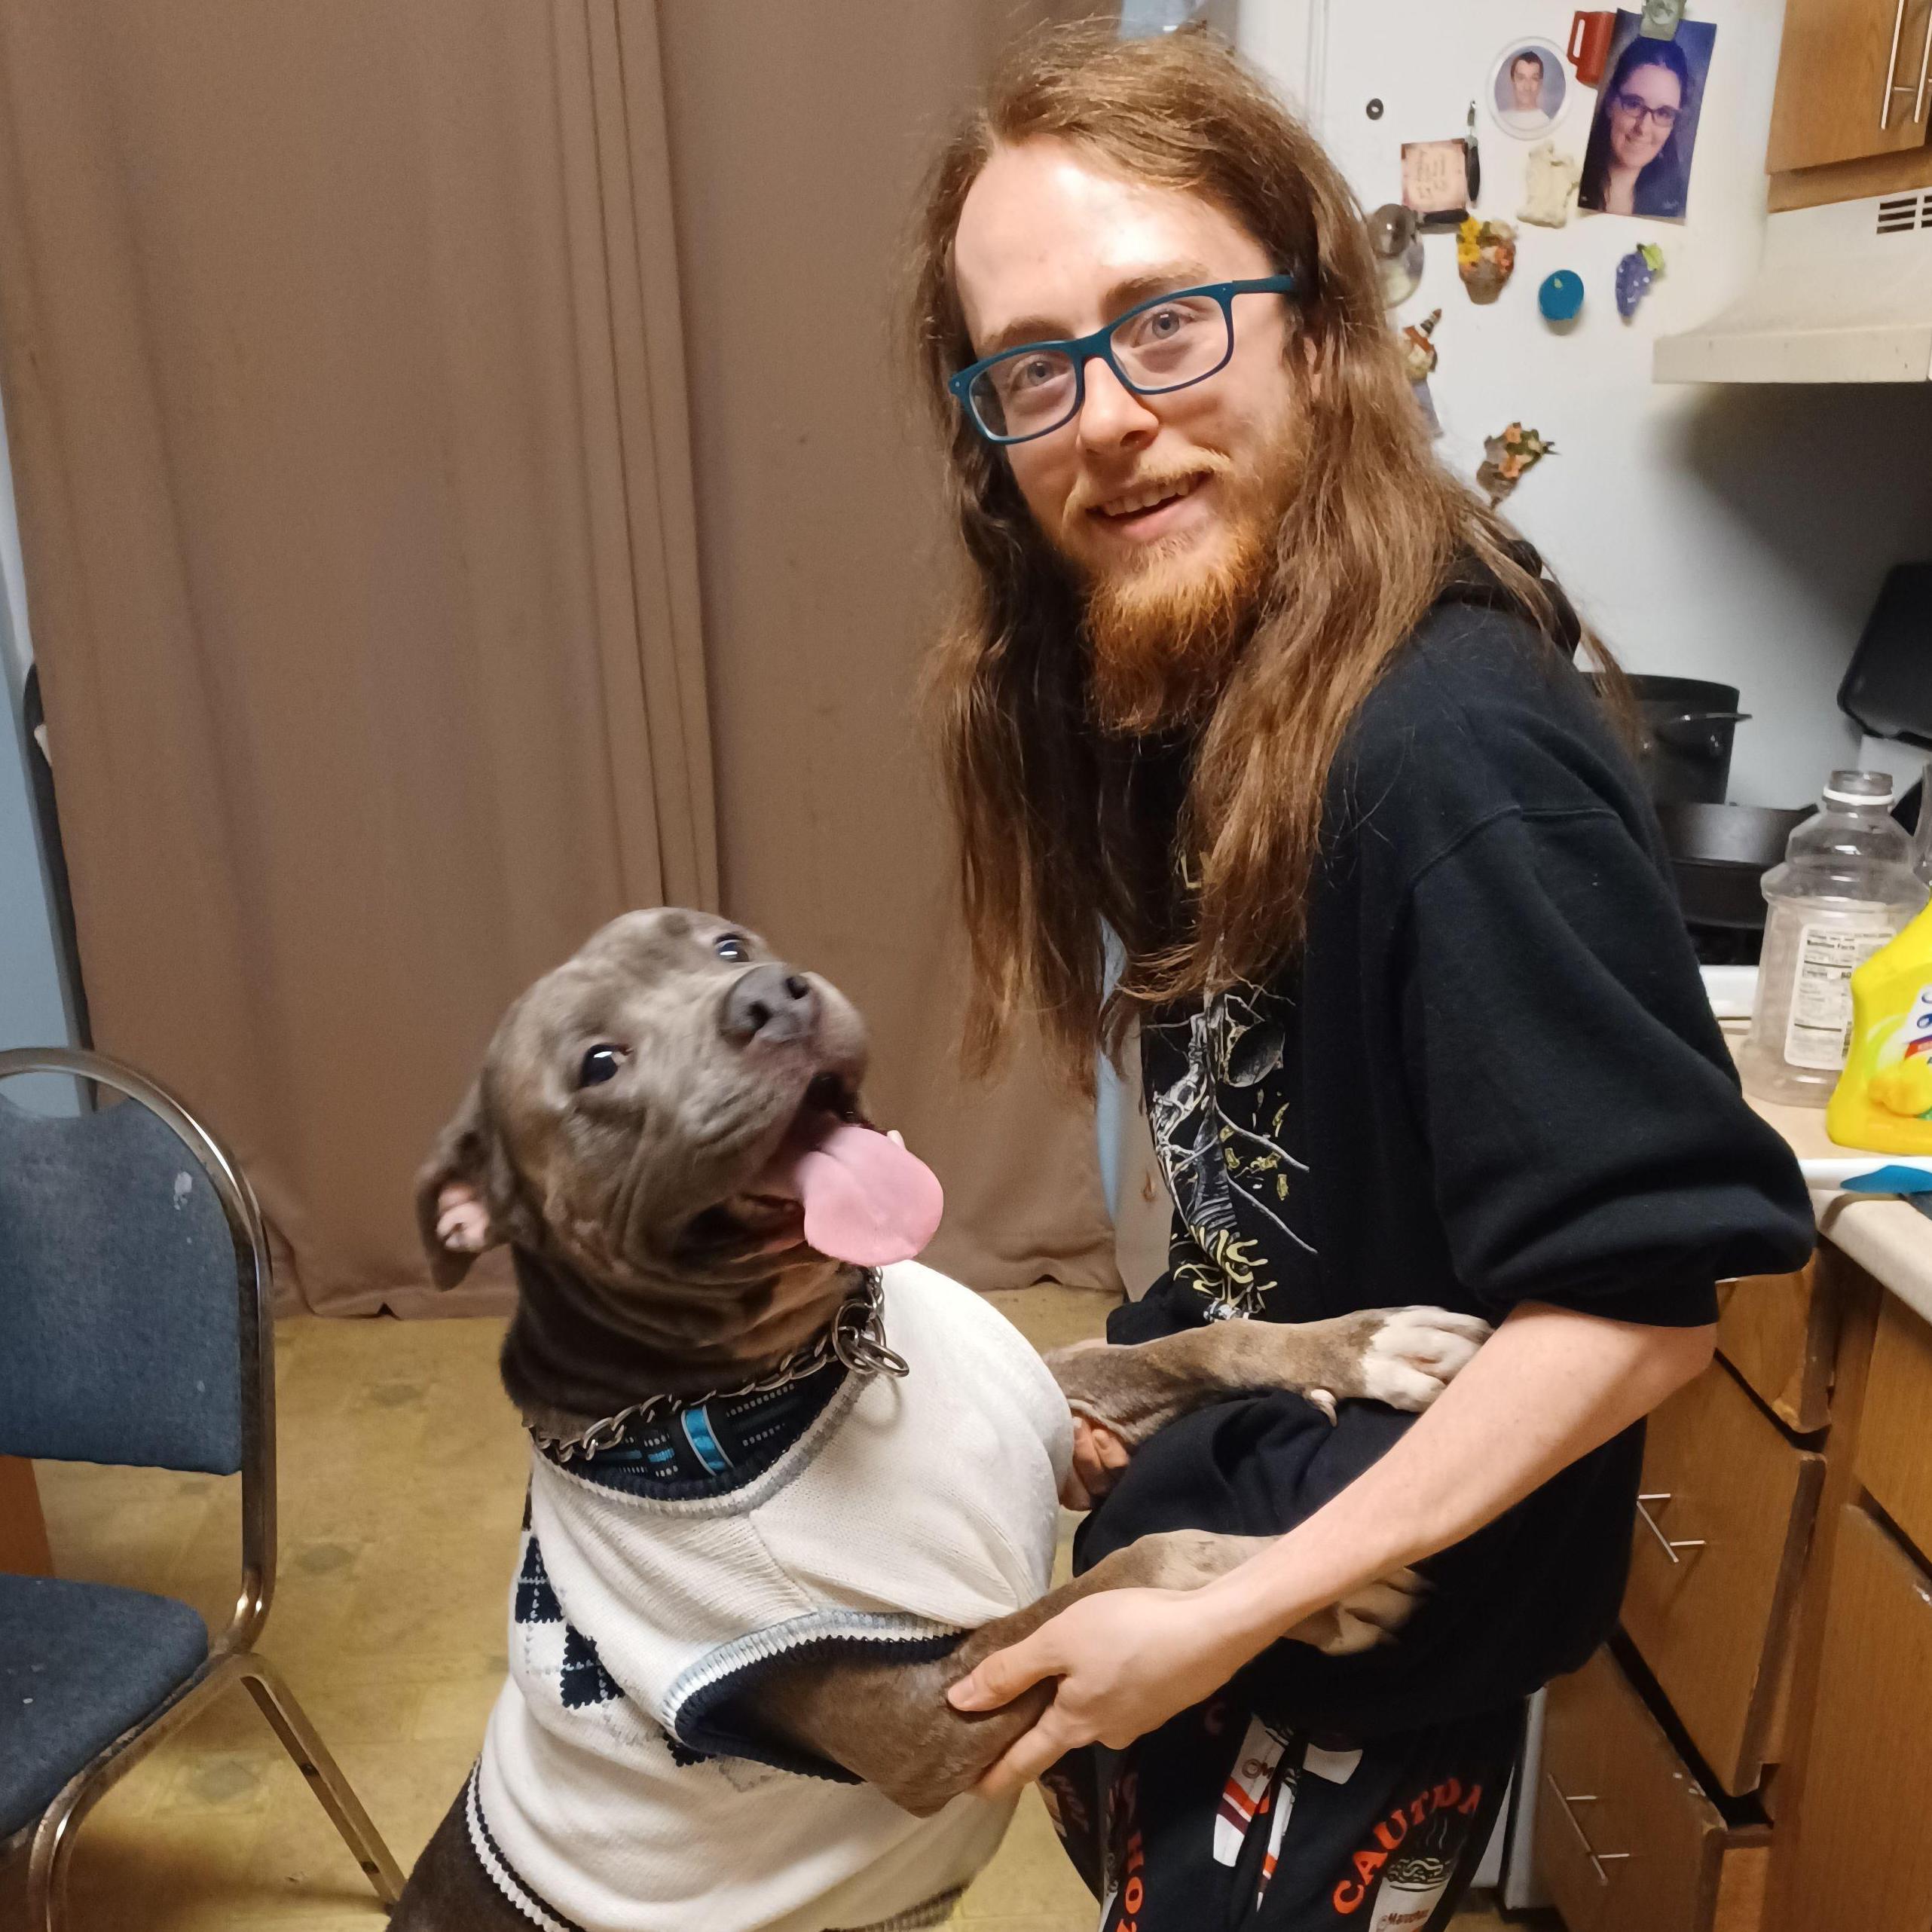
{"type": "Point", "coordinates": [1639, 158]}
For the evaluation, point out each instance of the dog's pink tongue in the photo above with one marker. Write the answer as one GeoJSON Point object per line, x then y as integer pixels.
{"type": "Point", "coordinates": [866, 1200]}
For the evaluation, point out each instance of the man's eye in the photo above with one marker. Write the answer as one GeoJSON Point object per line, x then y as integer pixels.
{"type": "Point", "coordinates": [600, 1064]}
{"type": "Point", "coordinates": [1028, 373]}
{"type": "Point", "coordinates": [731, 946]}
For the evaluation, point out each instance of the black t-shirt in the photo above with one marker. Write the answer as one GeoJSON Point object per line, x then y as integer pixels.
{"type": "Point", "coordinates": [1493, 1076]}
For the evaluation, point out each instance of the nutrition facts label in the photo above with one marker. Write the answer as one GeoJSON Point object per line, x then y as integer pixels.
{"type": "Point", "coordinates": [1818, 1034]}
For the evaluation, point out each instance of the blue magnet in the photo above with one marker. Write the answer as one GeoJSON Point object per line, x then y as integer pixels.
{"type": "Point", "coordinates": [1560, 296]}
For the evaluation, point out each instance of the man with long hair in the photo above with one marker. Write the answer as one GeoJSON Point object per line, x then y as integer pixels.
{"type": "Point", "coordinates": [1243, 677]}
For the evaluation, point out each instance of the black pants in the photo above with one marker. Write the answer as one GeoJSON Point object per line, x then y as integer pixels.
{"type": "Point", "coordinates": [1221, 1819]}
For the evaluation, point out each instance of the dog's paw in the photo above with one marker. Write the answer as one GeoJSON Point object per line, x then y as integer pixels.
{"type": "Point", "coordinates": [1412, 1352]}
{"type": "Point", "coordinates": [1366, 1617]}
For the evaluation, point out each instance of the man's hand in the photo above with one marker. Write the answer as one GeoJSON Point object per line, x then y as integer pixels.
{"type": "Point", "coordinates": [1127, 1660]}
{"type": "Point", "coordinates": [1099, 1457]}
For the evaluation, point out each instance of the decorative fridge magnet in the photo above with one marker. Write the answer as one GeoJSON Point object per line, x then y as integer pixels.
{"type": "Point", "coordinates": [1419, 358]}
{"type": "Point", "coordinates": [1506, 457]}
{"type": "Point", "coordinates": [1472, 156]}
{"type": "Point", "coordinates": [1559, 297]}
{"type": "Point", "coordinates": [1643, 134]}
{"type": "Point", "coordinates": [1549, 186]}
{"type": "Point", "coordinates": [1590, 32]}
{"type": "Point", "coordinates": [1435, 181]}
{"type": "Point", "coordinates": [1661, 19]}
{"type": "Point", "coordinates": [1395, 236]}
{"type": "Point", "coordinates": [1528, 90]}
{"type": "Point", "coordinates": [1635, 273]}
{"type": "Point", "coordinates": [1485, 257]}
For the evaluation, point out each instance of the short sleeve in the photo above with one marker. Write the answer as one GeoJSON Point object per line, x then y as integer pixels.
{"type": "Point", "coordinates": [1589, 1143]}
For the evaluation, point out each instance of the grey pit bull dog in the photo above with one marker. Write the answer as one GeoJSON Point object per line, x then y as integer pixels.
{"type": "Point", "coordinates": [786, 1484]}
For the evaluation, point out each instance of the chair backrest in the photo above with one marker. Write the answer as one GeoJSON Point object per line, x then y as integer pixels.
{"type": "Point", "coordinates": [123, 1280]}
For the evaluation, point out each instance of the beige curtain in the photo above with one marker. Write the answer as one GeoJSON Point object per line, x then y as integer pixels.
{"type": "Point", "coordinates": [798, 136]}
{"type": "Point", "coordinates": [343, 369]}
{"type": "Point", "coordinates": [359, 359]}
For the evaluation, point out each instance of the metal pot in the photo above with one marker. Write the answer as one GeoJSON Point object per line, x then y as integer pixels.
{"type": "Point", "coordinates": [1719, 855]}
{"type": "Point", "coordinates": [1685, 754]}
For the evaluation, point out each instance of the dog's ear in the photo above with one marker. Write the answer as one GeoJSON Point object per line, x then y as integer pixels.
{"type": "Point", "coordinates": [470, 1157]}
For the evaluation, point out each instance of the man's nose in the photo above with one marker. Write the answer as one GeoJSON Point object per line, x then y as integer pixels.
{"type": "Point", "coordinates": [1111, 414]}
{"type": "Point", "coordinates": [771, 1002]}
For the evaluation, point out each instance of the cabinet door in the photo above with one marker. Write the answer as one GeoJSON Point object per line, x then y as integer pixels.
{"type": "Point", "coordinates": [1852, 79]}
{"type": "Point", "coordinates": [1855, 1851]}
{"type": "Point", "coordinates": [1626, 1839]}
{"type": "Point", "coordinates": [1780, 1332]}
{"type": "Point", "coordinates": [1727, 1509]}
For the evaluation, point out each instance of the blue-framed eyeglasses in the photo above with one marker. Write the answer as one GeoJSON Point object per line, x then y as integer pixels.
{"type": "Point", "coordinates": [1168, 343]}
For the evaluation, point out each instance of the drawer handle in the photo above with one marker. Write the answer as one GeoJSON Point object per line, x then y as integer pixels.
{"type": "Point", "coordinates": [1598, 1859]}
{"type": "Point", "coordinates": [1891, 70]}
{"type": "Point", "coordinates": [1670, 1546]}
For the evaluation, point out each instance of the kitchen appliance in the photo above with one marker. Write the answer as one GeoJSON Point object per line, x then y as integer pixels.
{"type": "Point", "coordinates": [1685, 750]}
{"type": "Point", "coordinates": [1887, 690]}
{"type": "Point", "coordinates": [1719, 855]}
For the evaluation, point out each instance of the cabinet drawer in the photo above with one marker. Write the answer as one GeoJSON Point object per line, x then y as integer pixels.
{"type": "Point", "coordinates": [1894, 1460]}
{"type": "Point", "coordinates": [1626, 1840]}
{"type": "Point", "coordinates": [1853, 1850]}
{"type": "Point", "coordinates": [1720, 1542]}
{"type": "Point", "coordinates": [1779, 1333]}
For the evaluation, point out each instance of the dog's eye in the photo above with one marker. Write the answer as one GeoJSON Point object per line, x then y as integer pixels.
{"type": "Point", "coordinates": [730, 947]}
{"type": "Point", "coordinates": [599, 1065]}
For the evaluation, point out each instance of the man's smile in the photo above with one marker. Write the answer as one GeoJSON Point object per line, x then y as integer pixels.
{"type": "Point", "coordinates": [1150, 510]}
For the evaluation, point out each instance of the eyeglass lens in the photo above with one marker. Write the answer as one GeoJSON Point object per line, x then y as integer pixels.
{"type": "Point", "coordinates": [1634, 107]}
{"type": "Point", "coordinates": [1164, 347]}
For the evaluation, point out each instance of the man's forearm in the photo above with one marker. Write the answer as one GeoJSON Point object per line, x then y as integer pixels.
{"type": "Point", "coordinates": [1548, 1386]}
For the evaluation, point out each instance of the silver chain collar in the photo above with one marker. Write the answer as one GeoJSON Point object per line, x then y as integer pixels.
{"type": "Point", "coordinates": [856, 1336]}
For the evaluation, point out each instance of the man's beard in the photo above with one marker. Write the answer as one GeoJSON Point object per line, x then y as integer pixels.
{"type": "Point", "coordinates": [1163, 634]}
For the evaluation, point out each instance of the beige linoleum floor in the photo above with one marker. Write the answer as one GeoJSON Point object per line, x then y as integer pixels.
{"type": "Point", "coordinates": [401, 1490]}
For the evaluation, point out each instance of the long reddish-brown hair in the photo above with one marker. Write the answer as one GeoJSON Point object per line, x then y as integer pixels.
{"type": "Point", "coordinates": [1065, 829]}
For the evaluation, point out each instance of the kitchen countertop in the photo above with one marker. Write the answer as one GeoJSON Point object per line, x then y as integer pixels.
{"type": "Point", "coordinates": [1889, 1240]}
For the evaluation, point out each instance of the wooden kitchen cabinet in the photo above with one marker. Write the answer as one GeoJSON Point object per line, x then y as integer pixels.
{"type": "Point", "coordinates": [1780, 1332]}
{"type": "Point", "coordinates": [1856, 1851]}
{"type": "Point", "coordinates": [1627, 1840]}
{"type": "Point", "coordinates": [1894, 1459]}
{"type": "Point", "coordinates": [1854, 80]}
{"type": "Point", "coordinates": [1724, 1524]}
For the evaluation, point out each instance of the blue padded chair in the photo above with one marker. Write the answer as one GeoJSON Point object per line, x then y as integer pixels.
{"type": "Point", "coordinates": [135, 1329]}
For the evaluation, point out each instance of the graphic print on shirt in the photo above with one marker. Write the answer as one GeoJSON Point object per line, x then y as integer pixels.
{"type": "Point", "coordinates": [1218, 1119]}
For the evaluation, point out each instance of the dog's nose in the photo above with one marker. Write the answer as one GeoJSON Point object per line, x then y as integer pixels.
{"type": "Point", "coordinates": [770, 1003]}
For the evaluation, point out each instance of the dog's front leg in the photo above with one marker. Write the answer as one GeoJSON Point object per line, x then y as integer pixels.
{"type": "Point", "coordinates": [891, 1725]}
{"type": "Point", "coordinates": [1402, 1356]}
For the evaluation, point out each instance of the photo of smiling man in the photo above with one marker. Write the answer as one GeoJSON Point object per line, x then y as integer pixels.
{"type": "Point", "coordinates": [1639, 159]}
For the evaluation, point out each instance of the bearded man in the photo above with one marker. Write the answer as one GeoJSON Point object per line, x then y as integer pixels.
{"type": "Point", "coordinates": [1245, 679]}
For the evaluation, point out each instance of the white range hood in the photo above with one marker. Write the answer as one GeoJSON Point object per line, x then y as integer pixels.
{"type": "Point", "coordinates": [1844, 294]}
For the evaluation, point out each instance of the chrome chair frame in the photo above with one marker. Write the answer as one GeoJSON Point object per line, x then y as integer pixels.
{"type": "Point", "coordinates": [231, 1657]}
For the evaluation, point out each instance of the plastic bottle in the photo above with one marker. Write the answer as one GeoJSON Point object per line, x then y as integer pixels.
{"type": "Point", "coordinates": [1883, 1099]}
{"type": "Point", "coordinates": [1845, 887]}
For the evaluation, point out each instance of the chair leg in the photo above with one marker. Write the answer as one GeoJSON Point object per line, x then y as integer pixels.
{"type": "Point", "coordinates": [277, 1704]}
{"type": "Point", "coordinates": [48, 1856]}
{"type": "Point", "coordinates": [52, 1846]}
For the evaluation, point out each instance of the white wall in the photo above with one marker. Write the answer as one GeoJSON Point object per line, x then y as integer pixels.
{"type": "Point", "coordinates": [32, 1012]}
{"type": "Point", "coordinates": [1732, 533]}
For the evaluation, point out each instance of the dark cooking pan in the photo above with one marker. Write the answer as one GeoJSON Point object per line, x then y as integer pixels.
{"type": "Point", "coordinates": [1685, 752]}
{"type": "Point", "coordinates": [1719, 855]}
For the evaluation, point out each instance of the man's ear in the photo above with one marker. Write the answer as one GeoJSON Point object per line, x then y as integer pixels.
{"type": "Point", "coordinates": [470, 1159]}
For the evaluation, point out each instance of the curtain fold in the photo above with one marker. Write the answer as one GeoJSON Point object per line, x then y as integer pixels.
{"type": "Point", "coordinates": [442, 428]}
{"type": "Point", "coordinates": [341, 356]}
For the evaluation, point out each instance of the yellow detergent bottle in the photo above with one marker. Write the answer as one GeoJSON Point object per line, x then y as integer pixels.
{"type": "Point", "coordinates": [1883, 1099]}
